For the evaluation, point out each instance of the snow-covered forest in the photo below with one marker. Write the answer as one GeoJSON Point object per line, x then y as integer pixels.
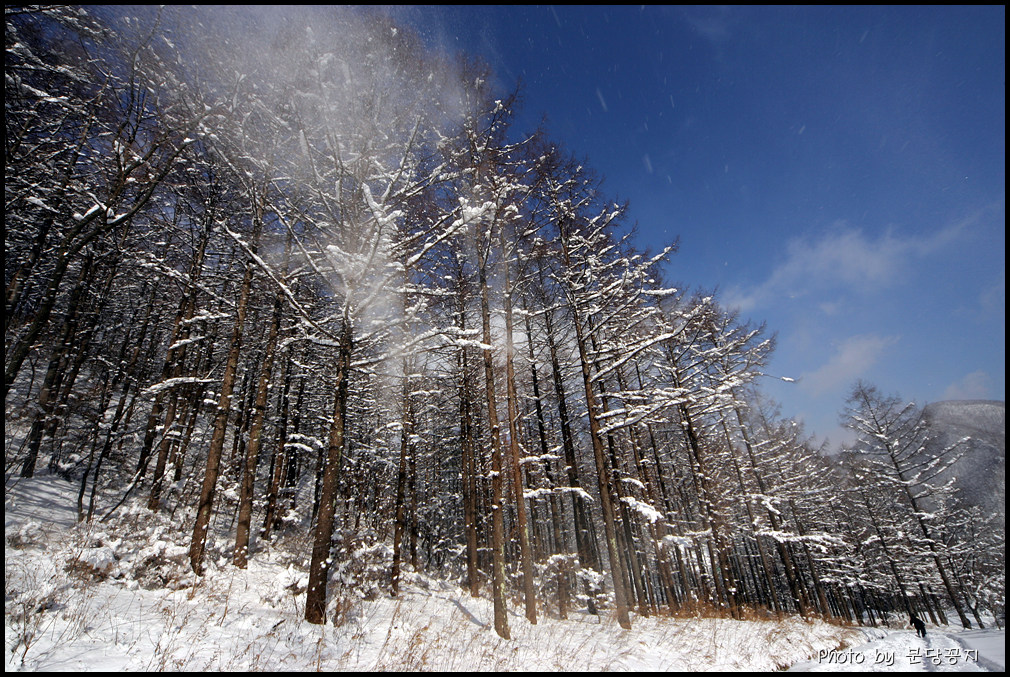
{"type": "Point", "coordinates": [310, 297]}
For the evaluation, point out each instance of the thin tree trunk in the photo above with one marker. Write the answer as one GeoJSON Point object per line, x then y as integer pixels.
{"type": "Point", "coordinates": [560, 546]}
{"type": "Point", "coordinates": [122, 375]}
{"type": "Point", "coordinates": [399, 509]}
{"type": "Point", "coordinates": [322, 538]}
{"type": "Point", "coordinates": [583, 525]}
{"type": "Point", "coordinates": [279, 460]}
{"type": "Point", "coordinates": [634, 568]}
{"type": "Point", "coordinates": [784, 554]}
{"type": "Point", "coordinates": [752, 520]}
{"type": "Point", "coordinates": [51, 382]}
{"type": "Point", "coordinates": [244, 528]}
{"type": "Point", "coordinates": [514, 448]}
{"type": "Point", "coordinates": [603, 471]}
{"type": "Point", "coordinates": [208, 490]}
{"type": "Point", "coordinates": [501, 625]}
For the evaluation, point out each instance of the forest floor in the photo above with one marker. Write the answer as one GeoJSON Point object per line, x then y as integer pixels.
{"type": "Point", "coordinates": [119, 596]}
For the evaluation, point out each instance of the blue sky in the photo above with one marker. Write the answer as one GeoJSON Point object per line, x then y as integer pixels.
{"type": "Point", "coordinates": [837, 173]}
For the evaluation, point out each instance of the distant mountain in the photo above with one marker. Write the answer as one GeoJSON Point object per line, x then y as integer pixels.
{"type": "Point", "coordinates": [981, 473]}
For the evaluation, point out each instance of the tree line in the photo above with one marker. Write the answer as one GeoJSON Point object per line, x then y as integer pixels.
{"type": "Point", "coordinates": [306, 276]}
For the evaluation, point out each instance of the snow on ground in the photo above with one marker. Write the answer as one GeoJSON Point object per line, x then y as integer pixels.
{"type": "Point", "coordinates": [120, 597]}
{"type": "Point", "coordinates": [991, 647]}
{"type": "Point", "coordinates": [940, 651]}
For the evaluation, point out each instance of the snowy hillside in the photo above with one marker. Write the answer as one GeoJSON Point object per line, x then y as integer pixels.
{"type": "Point", "coordinates": [83, 599]}
{"type": "Point", "coordinates": [982, 419]}
{"type": "Point", "coordinates": [981, 472]}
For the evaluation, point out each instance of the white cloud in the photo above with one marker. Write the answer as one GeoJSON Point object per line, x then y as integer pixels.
{"type": "Point", "coordinates": [852, 359]}
{"type": "Point", "coordinates": [974, 386]}
{"type": "Point", "coordinates": [830, 307]}
{"type": "Point", "coordinates": [845, 258]}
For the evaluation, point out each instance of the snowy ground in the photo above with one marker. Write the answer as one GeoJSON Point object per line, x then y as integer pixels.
{"type": "Point", "coordinates": [939, 651]}
{"type": "Point", "coordinates": [119, 597]}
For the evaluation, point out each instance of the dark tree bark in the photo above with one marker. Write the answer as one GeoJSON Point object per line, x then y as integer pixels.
{"type": "Point", "coordinates": [322, 538]}
{"type": "Point", "coordinates": [213, 468]}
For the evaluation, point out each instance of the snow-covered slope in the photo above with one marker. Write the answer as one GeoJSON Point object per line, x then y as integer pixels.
{"type": "Point", "coordinates": [903, 651]}
{"type": "Point", "coordinates": [981, 472]}
{"type": "Point", "coordinates": [119, 596]}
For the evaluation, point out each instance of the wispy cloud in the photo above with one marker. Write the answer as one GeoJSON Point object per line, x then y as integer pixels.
{"type": "Point", "coordinates": [852, 359]}
{"type": "Point", "coordinates": [845, 259]}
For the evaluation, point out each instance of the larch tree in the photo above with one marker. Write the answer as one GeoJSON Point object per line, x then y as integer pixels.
{"type": "Point", "coordinates": [892, 437]}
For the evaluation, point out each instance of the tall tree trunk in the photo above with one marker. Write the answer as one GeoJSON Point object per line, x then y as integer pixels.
{"type": "Point", "coordinates": [213, 469]}
{"type": "Point", "coordinates": [172, 367]}
{"type": "Point", "coordinates": [584, 541]}
{"type": "Point", "coordinates": [57, 362]}
{"type": "Point", "coordinates": [514, 448]}
{"type": "Point", "coordinates": [252, 451]}
{"type": "Point", "coordinates": [322, 538]}
{"type": "Point", "coordinates": [560, 546]}
{"type": "Point", "coordinates": [501, 625]}
{"type": "Point", "coordinates": [604, 484]}
{"type": "Point", "coordinates": [469, 463]}
{"type": "Point", "coordinates": [721, 571]}
{"type": "Point", "coordinates": [279, 460]}
{"type": "Point", "coordinates": [818, 586]}
{"type": "Point", "coordinates": [752, 520]}
{"type": "Point", "coordinates": [603, 471]}
{"type": "Point", "coordinates": [399, 509]}
{"type": "Point", "coordinates": [787, 561]}
{"type": "Point", "coordinates": [656, 530]}
{"type": "Point", "coordinates": [634, 568]}
{"type": "Point", "coordinates": [122, 375]}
